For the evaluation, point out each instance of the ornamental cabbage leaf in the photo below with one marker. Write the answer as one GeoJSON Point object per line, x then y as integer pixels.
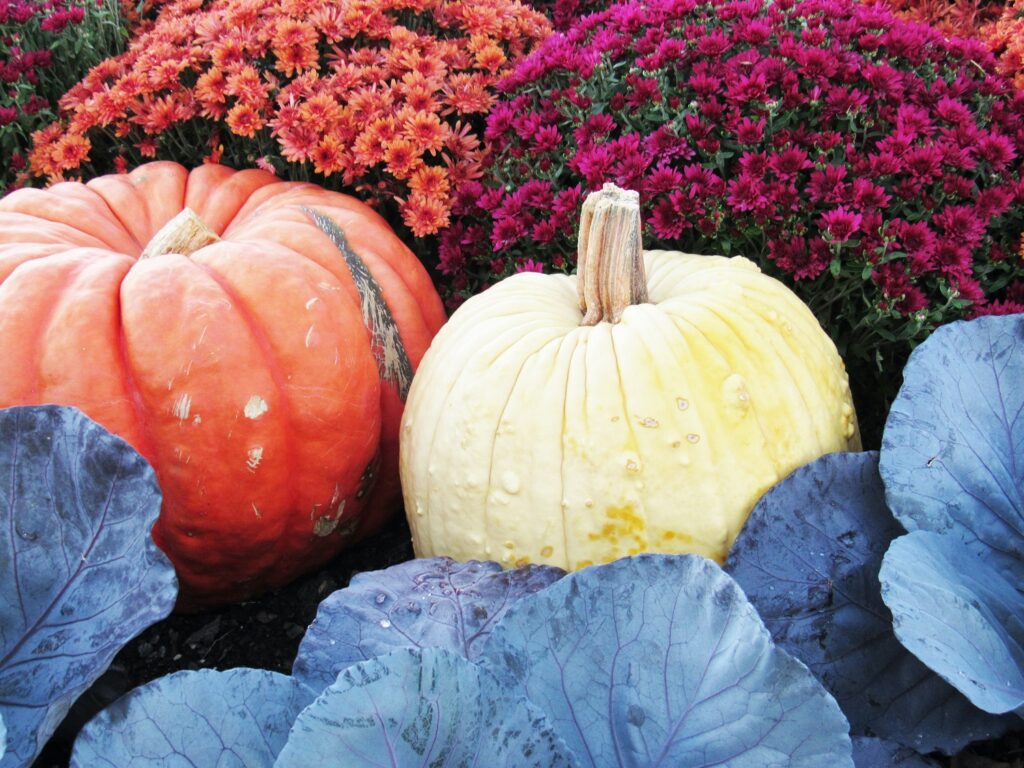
{"type": "Point", "coordinates": [808, 559]}
{"type": "Point", "coordinates": [660, 660]}
{"type": "Point", "coordinates": [952, 462]}
{"type": "Point", "coordinates": [79, 573]}
{"type": "Point", "coordinates": [434, 602]}
{"type": "Point", "coordinates": [239, 718]}
{"type": "Point", "coordinates": [420, 707]}
{"type": "Point", "coordinates": [960, 611]}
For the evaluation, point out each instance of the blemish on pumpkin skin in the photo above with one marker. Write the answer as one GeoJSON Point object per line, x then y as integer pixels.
{"type": "Point", "coordinates": [182, 406]}
{"type": "Point", "coordinates": [255, 407]}
{"type": "Point", "coordinates": [255, 457]}
{"type": "Point", "coordinates": [623, 523]}
{"type": "Point", "coordinates": [547, 551]}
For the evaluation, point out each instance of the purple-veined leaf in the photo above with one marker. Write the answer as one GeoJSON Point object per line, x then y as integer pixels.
{"type": "Point", "coordinates": [79, 573]}
{"type": "Point", "coordinates": [659, 660]}
{"type": "Point", "coordinates": [238, 718]}
{"type": "Point", "coordinates": [415, 708]}
{"type": "Point", "coordinates": [960, 613]}
{"type": "Point", "coordinates": [808, 559]}
{"type": "Point", "coordinates": [952, 456]}
{"type": "Point", "coordinates": [952, 461]}
{"type": "Point", "coordinates": [427, 602]}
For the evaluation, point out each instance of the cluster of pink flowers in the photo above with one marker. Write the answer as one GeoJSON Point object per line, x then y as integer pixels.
{"type": "Point", "coordinates": [867, 160]}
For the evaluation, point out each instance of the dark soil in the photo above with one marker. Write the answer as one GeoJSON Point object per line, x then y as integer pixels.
{"type": "Point", "coordinates": [266, 634]}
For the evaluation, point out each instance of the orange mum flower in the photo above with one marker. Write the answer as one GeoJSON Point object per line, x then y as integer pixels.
{"type": "Point", "coordinates": [322, 112]}
{"type": "Point", "coordinates": [366, 103]}
{"type": "Point", "coordinates": [328, 22]}
{"type": "Point", "coordinates": [156, 115]}
{"type": "Point", "coordinates": [467, 94]}
{"type": "Point", "coordinates": [297, 143]}
{"type": "Point", "coordinates": [104, 106]}
{"type": "Point", "coordinates": [246, 84]}
{"type": "Point", "coordinates": [418, 92]}
{"type": "Point", "coordinates": [461, 142]}
{"type": "Point", "coordinates": [211, 93]}
{"type": "Point", "coordinates": [424, 215]}
{"type": "Point", "coordinates": [243, 120]}
{"type": "Point", "coordinates": [425, 130]}
{"type": "Point", "coordinates": [370, 145]}
{"type": "Point", "coordinates": [430, 181]}
{"type": "Point", "coordinates": [491, 58]}
{"type": "Point", "coordinates": [402, 158]}
{"type": "Point", "coordinates": [228, 53]}
{"type": "Point", "coordinates": [294, 45]}
{"type": "Point", "coordinates": [328, 156]}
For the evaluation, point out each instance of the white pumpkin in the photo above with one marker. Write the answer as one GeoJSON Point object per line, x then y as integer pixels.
{"type": "Point", "coordinates": [574, 421]}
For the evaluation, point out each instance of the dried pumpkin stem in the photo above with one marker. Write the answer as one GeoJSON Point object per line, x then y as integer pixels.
{"type": "Point", "coordinates": [185, 234]}
{"type": "Point", "coordinates": [610, 262]}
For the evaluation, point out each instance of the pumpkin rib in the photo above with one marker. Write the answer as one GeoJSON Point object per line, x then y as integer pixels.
{"type": "Point", "coordinates": [642, 511]}
{"type": "Point", "coordinates": [73, 205]}
{"type": "Point", "coordinates": [524, 364]}
{"type": "Point", "coordinates": [372, 233]}
{"type": "Point", "coordinates": [23, 228]}
{"type": "Point", "coordinates": [43, 327]}
{"type": "Point", "coordinates": [10, 263]}
{"type": "Point", "coordinates": [144, 199]}
{"type": "Point", "coordinates": [579, 340]}
{"type": "Point", "coordinates": [738, 308]}
{"type": "Point", "coordinates": [217, 193]}
{"type": "Point", "coordinates": [146, 446]}
{"type": "Point", "coordinates": [260, 337]}
{"type": "Point", "coordinates": [707, 307]}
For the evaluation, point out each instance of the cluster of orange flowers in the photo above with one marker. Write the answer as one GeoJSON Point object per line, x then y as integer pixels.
{"type": "Point", "coordinates": [1000, 25]}
{"type": "Point", "coordinates": [961, 18]}
{"type": "Point", "coordinates": [1005, 37]}
{"type": "Point", "coordinates": [384, 97]}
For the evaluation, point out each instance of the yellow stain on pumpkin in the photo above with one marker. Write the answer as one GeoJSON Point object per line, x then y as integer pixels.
{"type": "Point", "coordinates": [623, 523]}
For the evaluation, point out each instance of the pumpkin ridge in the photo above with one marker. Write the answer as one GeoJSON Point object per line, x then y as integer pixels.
{"type": "Point", "coordinates": [102, 200]}
{"type": "Point", "coordinates": [259, 335]}
{"type": "Point", "coordinates": [45, 211]}
{"type": "Point", "coordinates": [138, 407]}
{"type": "Point", "coordinates": [785, 365]}
{"type": "Point", "coordinates": [580, 340]}
{"type": "Point", "coordinates": [776, 461]}
{"type": "Point", "coordinates": [387, 344]}
{"type": "Point", "coordinates": [519, 373]}
{"type": "Point", "coordinates": [47, 322]}
{"type": "Point", "coordinates": [642, 511]}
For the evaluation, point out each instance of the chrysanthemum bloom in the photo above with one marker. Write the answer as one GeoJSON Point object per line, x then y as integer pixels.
{"type": "Point", "coordinates": [349, 94]}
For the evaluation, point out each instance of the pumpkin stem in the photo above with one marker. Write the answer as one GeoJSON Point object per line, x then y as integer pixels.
{"type": "Point", "coordinates": [610, 261]}
{"type": "Point", "coordinates": [185, 234]}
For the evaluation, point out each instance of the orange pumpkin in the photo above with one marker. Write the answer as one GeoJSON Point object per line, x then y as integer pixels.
{"type": "Point", "coordinates": [254, 339]}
